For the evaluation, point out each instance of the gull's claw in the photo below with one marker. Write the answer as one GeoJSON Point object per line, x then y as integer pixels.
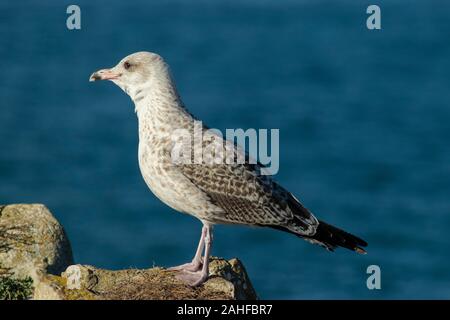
{"type": "Point", "coordinates": [192, 279]}
{"type": "Point", "coordinates": [190, 266]}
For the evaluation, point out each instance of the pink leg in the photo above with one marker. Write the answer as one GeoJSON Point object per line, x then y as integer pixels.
{"type": "Point", "coordinates": [196, 262]}
{"type": "Point", "coordinates": [205, 269]}
{"type": "Point", "coordinates": [196, 278]}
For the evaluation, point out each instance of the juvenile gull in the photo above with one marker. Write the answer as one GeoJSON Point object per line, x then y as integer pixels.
{"type": "Point", "coordinates": [215, 194]}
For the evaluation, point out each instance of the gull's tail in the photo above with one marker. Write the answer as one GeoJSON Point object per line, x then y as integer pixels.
{"type": "Point", "coordinates": [331, 237]}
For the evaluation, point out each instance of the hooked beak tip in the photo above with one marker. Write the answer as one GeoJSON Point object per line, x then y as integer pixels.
{"type": "Point", "coordinates": [104, 74]}
{"type": "Point", "coordinates": [94, 77]}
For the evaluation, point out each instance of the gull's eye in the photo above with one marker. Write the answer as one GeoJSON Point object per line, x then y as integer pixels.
{"type": "Point", "coordinates": [126, 65]}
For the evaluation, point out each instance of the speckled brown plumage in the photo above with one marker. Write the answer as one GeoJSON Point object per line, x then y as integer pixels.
{"type": "Point", "coordinates": [219, 193]}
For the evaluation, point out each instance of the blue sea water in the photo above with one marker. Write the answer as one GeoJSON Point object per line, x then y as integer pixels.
{"type": "Point", "coordinates": [363, 116]}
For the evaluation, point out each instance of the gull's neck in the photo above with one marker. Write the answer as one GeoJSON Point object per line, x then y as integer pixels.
{"type": "Point", "coordinates": [158, 107]}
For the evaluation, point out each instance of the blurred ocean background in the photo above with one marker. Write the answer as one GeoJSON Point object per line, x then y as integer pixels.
{"type": "Point", "coordinates": [364, 119]}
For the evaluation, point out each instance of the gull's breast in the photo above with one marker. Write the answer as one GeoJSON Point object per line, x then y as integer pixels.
{"type": "Point", "coordinates": [167, 182]}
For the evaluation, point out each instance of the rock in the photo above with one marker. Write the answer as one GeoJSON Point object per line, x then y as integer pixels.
{"type": "Point", "coordinates": [228, 280]}
{"type": "Point", "coordinates": [34, 245]}
{"type": "Point", "coordinates": [48, 289]}
{"type": "Point", "coordinates": [32, 242]}
{"type": "Point", "coordinates": [233, 272]}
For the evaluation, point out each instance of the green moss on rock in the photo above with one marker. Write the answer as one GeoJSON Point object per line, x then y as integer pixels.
{"type": "Point", "coordinates": [15, 289]}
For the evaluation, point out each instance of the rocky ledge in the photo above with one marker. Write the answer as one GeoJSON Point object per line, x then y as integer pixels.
{"type": "Point", "coordinates": [36, 263]}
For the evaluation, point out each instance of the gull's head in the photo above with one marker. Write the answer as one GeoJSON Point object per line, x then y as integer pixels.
{"type": "Point", "coordinates": [133, 71]}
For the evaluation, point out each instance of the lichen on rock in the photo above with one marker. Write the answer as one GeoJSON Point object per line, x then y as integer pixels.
{"type": "Point", "coordinates": [228, 281]}
{"type": "Point", "coordinates": [34, 246]}
{"type": "Point", "coordinates": [32, 242]}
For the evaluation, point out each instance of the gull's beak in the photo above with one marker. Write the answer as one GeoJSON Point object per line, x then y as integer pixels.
{"type": "Point", "coordinates": [104, 74]}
